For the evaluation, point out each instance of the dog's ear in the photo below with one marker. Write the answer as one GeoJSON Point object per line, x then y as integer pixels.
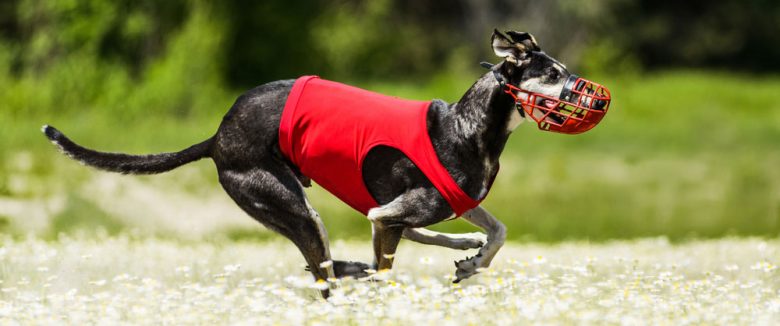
{"type": "Point", "coordinates": [524, 38]}
{"type": "Point", "coordinates": [508, 49]}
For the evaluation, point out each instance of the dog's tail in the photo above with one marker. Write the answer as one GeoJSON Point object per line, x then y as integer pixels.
{"type": "Point", "coordinates": [125, 163]}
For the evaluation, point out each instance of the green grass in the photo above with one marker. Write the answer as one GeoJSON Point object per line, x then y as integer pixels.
{"type": "Point", "coordinates": [683, 154]}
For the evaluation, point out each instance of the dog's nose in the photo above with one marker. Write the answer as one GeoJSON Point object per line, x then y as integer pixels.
{"type": "Point", "coordinates": [599, 104]}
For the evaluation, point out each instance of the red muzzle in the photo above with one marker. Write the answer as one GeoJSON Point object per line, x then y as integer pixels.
{"type": "Point", "coordinates": [580, 107]}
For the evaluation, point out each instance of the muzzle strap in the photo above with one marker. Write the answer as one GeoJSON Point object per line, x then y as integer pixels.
{"type": "Point", "coordinates": [566, 92]}
{"type": "Point", "coordinates": [501, 82]}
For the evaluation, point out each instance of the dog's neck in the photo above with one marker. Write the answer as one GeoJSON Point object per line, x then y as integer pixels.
{"type": "Point", "coordinates": [474, 132]}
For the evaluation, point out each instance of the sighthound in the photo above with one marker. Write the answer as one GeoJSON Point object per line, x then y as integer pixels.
{"type": "Point", "coordinates": [404, 164]}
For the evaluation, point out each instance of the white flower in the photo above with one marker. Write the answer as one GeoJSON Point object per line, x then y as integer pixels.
{"type": "Point", "coordinates": [320, 284]}
{"type": "Point", "coordinates": [98, 282]}
{"type": "Point", "coordinates": [231, 268]}
{"type": "Point", "coordinates": [731, 268]}
{"type": "Point", "coordinates": [121, 277]}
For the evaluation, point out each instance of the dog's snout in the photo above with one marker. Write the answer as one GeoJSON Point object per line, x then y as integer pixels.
{"type": "Point", "coordinates": [589, 93]}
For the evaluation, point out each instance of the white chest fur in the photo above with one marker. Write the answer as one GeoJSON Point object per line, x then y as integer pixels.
{"type": "Point", "coordinates": [514, 120]}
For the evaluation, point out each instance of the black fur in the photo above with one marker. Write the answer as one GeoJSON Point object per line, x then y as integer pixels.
{"type": "Point", "coordinates": [124, 163]}
{"type": "Point", "coordinates": [468, 137]}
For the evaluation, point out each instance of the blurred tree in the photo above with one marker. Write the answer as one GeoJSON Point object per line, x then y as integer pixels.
{"type": "Point", "coordinates": [733, 34]}
{"type": "Point", "coordinates": [373, 39]}
{"type": "Point", "coordinates": [143, 30]}
{"type": "Point", "coordinates": [119, 55]}
{"type": "Point", "coordinates": [130, 32]}
{"type": "Point", "coordinates": [271, 39]}
{"type": "Point", "coordinates": [352, 39]}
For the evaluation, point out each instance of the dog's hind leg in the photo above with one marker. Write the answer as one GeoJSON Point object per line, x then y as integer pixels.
{"type": "Point", "coordinates": [273, 196]}
{"type": "Point", "coordinates": [461, 241]}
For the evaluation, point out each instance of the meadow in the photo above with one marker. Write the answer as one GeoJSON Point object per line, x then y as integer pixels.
{"type": "Point", "coordinates": [666, 213]}
{"type": "Point", "coordinates": [130, 280]}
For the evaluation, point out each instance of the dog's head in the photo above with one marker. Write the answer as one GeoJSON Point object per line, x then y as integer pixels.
{"type": "Point", "coordinates": [545, 89]}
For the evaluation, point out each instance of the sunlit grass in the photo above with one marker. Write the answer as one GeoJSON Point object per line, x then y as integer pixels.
{"type": "Point", "coordinates": [124, 279]}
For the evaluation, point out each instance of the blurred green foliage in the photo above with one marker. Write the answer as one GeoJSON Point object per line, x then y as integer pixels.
{"type": "Point", "coordinates": [686, 152]}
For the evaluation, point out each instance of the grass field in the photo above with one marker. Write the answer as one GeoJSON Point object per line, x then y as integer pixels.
{"type": "Point", "coordinates": [130, 280]}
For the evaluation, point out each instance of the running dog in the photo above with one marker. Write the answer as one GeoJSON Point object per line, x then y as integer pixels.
{"type": "Point", "coordinates": [404, 164]}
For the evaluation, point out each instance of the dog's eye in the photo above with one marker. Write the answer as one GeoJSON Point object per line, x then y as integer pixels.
{"type": "Point", "coordinates": [553, 75]}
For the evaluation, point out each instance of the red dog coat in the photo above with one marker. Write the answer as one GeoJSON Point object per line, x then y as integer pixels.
{"type": "Point", "coordinates": [327, 128]}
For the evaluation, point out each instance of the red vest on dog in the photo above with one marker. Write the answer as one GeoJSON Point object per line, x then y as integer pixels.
{"type": "Point", "coordinates": [327, 128]}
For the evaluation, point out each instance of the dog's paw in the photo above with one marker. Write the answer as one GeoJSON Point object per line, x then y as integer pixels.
{"type": "Point", "coordinates": [350, 269]}
{"type": "Point", "coordinates": [466, 268]}
{"type": "Point", "coordinates": [471, 241]}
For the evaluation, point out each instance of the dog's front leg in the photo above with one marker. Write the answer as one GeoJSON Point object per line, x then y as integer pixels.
{"type": "Point", "coordinates": [460, 241]}
{"type": "Point", "coordinates": [496, 234]}
{"type": "Point", "coordinates": [390, 220]}
{"type": "Point", "coordinates": [384, 233]}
